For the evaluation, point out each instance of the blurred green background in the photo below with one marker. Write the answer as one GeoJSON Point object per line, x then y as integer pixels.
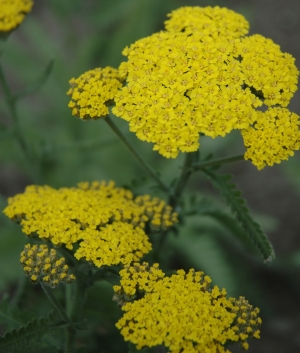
{"type": "Point", "coordinates": [81, 35]}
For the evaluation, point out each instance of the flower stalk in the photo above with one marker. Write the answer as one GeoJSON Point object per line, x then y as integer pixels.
{"type": "Point", "coordinates": [56, 304]}
{"type": "Point", "coordinates": [217, 162]}
{"type": "Point", "coordinates": [17, 132]}
{"type": "Point", "coordinates": [135, 153]}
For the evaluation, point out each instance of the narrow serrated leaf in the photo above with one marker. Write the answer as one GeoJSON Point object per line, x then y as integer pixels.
{"type": "Point", "coordinates": [32, 331]}
{"type": "Point", "coordinates": [210, 208]}
{"type": "Point", "coordinates": [241, 211]}
{"type": "Point", "coordinates": [232, 225]}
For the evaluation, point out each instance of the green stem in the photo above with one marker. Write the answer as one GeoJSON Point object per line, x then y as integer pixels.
{"type": "Point", "coordinates": [174, 198]}
{"type": "Point", "coordinates": [70, 330]}
{"type": "Point", "coordinates": [108, 275]}
{"type": "Point", "coordinates": [56, 304]}
{"type": "Point", "coordinates": [218, 161]}
{"type": "Point", "coordinates": [143, 162]}
{"type": "Point", "coordinates": [70, 335]}
{"type": "Point", "coordinates": [68, 298]}
{"type": "Point", "coordinates": [79, 297]}
{"type": "Point", "coordinates": [11, 103]}
{"type": "Point", "coordinates": [20, 290]}
{"type": "Point", "coordinates": [186, 172]}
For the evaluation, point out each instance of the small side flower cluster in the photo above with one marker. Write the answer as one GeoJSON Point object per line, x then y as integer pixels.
{"type": "Point", "coordinates": [13, 13]}
{"type": "Point", "coordinates": [181, 312]}
{"type": "Point", "coordinates": [42, 264]}
{"type": "Point", "coordinates": [267, 70]}
{"type": "Point", "coordinates": [157, 212]}
{"type": "Point", "coordinates": [273, 137]}
{"type": "Point", "coordinates": [247, 322]}
{"type": "Point", "coordinates": [106, 221]}
{"type": "Point", "coordinates": [92, 92]}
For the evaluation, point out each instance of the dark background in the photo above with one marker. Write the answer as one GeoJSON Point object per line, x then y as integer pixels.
{"type": "Point", "coordinates": [82, 35]}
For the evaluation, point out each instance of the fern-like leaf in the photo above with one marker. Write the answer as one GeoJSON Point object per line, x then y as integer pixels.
{"type": "Point", "coordinates": [241, 211]}
{"type": "Point", "coordinates": [32, 331]}
{"type": "Point", "coordinates": [211, 208]}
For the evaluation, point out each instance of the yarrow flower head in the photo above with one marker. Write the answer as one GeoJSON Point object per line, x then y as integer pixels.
{"type": "Point", "coordinates": [12, 13]}
{"type": "Point", "coordinates": [201, 76]}
{"type": "Point", "coordinates": [106, 222]}
{"type": "Point", "coordinates": [181, 312]}
{"type": "Point", "coordinates": [42, 264]}
{"type": "Point", "coordinates": [92, 92]}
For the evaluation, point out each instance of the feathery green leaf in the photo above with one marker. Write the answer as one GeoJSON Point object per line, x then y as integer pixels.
{"type": "Point", "coordinates": [32, 331]}
{"type": "Point", "coordinates": [241, 211]}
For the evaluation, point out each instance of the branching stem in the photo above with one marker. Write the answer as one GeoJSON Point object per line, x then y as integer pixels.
{"type": "Point", "coordinates": [135, 153]}
{"type": "Point", "coordinates": [218, 161]}
{"type": "Point", "coordinates": [56, 304]}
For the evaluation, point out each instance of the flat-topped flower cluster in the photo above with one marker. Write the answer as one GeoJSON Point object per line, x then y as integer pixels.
{"type": "Point", "coordinates": [181, 312]}
{"type": "Point", "coordinates": [203, 75]}
{"type": "Point", "coordinates": [107, 222]}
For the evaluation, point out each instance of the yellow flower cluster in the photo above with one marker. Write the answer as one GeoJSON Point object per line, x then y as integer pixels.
{"type": "Point", "coordinates": [182, 312]}
{"type": "Point", "coordinates": [108, 222]}
{"type": "Point", "coordinates": [12, 13]}
{"type": "Point", "coordinates": [42, 264]}
{"type": "Point", "coordinates": [272, 138]}
{"type": "Point", "coordinates": [214, 22]}
{"type": "Point", "coordinates": [157, 212]}
{"type": "Point", "coordinates": [266, 69]}
{"type": "Point", "coordinates": [93, 91]}
{"type": "Point", "coordinates": [189, 80]}
{"type": "Point", "coordinates": [247, 322]}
